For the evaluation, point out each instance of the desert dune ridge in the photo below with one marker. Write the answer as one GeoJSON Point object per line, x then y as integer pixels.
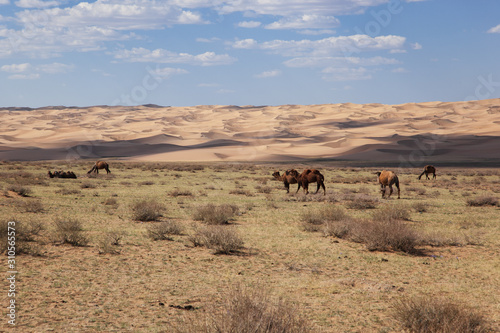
{"type": "Point", "coordinates": [440, 131]}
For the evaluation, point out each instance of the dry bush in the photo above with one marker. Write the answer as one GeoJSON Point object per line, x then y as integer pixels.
{"type": "Point", "coordinates": [241, 192]}
{"type": "Point", "coordinates": [110, 202]}
{"type": "Point", "coordinates": [147, 182]}
{"type": "Point", "coordinates": [70, 231]}
{"type": "Point", "coordinates": [264, 189]}
{"type": "Point", "coordinates": [31, 206]}
{"type": "Point", "coordinates": [65, 191]}
{"type": "Point", "coordinates": [108, 244]}
{"type": "Point", "coordinates": [420, 207]}
{"type": "Point", "coordinates": [147, 210]}
{"type": "Point", "coordinates": [213, 214]}
{"type": "Point", "coordinates": [363, 201]}
{"type": "Point", "coordinates": [21, 190]}
{"type": "Point", "coordinates": [248, 311]}
{"type": "Point", "coordinates": [315, 219]}
{"type": "Point", "coordinates": [165, 230]}
{"type": "Point", "coordinates": [23, 233]}
{"type": "Point", "coordinates": [88, 185]}
{"type": "Point", "coordinates": [222, 239]}
{"type": "Point", "coordinates": [340, 229]}
{"type": "Point", "coordinates": [388, 235]}
{"type": "Point", "coordinates": [483, 201]}
{"type": "Point", "coordinates": [181, 193]}
{"type": "Point", "coordinates": [392, 212]}
{"type": "Point", "coordinates": [431, 315]}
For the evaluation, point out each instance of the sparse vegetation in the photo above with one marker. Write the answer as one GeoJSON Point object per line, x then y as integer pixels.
{"type": "Point", "coordinates": [147, 210]}
{"type": "Point", "coordinates": [434, 315]}
{"type": "Point", "coordinates": [222, 239]}
{"type": "Point", "coordinates": [483, 201]}
{"type": "Point", "coordinates": [343, 275]}
{"type": "Point", "coordinates": [215, 214]}
{"type": "Point", "coordinates": [164, 230]}
{"type": "Point", "coordinates": [70, 231]}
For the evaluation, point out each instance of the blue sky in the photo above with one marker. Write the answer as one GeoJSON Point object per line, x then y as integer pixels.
{"type": "Point", "coordinates": [247, 52]}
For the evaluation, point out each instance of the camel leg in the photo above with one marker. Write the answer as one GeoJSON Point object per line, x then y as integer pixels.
{"type": "Point", "coordinates": [382, 189]}
{"type": "Point", "coordinates": [324, 189]}
{"type": "Point", "coordinates": [287, 186]}
{"type": "Point", "coordinates": [306, 187]}
{"type": "Point", "coordinates": [107, 170]}
{"type": "Point", "coordinates": [434, 176]}
{"type": "Point", "coordinates": [390, 191]}
{"type": "Point", "coordinates": [317, 189]}
{"type": "Point", "coordinates": [399, 191]}
{"type": "Point", "coordinates": [427, 175]}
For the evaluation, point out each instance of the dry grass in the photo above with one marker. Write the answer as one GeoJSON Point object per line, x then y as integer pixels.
{"type": "Point", "coordinates": [147, 210]}
{"type": "Point", "coordinates": [222, 239]}
{"type": "Point", "coordinates": [483, 201]}
{"type": "Point", "coordinates": [248, 311]}
{"type": "Point", "coordinates": [331, 277]}
{"type": "Point", "coordinates": [165, 230]}
{"type": "Point", "coordinates": [431, 315]}
{"type": "Point", "coordinates": [215, 214]}
{"type": "Point", "coordinates": [70, 231]}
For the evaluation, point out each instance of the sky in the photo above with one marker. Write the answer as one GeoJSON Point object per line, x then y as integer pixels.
{"type": "Point", "coordinates": [247, 52]}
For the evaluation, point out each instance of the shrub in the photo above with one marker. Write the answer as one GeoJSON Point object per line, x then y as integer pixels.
{"type": "Point", "coordinates": [21, 190]}
{"type": "Point", "coordinates": [70, 231]}
{"type": "Point", "coordinates": [388, 235]}
{"type": "Point", "coordinates": [420, 207]}
{"type": "Point", "coordinates": [147, 210]}
{"type": "Point", "coordinates": [88, 185]}
{"type": "Point", "coordinates": [222, 239]}
{"type": "Point", "coordinates": [392, 212]}
{"type": "Point", "coordinates": [483, 201]}
{"type": "Point", "coordinates": [32, 206]}
{"type": "Point", "coordinates": [25, 233]}
{"type": "Point", "coordinates": [109, 242]}
{"type": "Point", "coordinates": [314, 219]}
{"type": "Point", "coordinates": [212, 214]}
{"type": "Point", "coordinates": [264, 189]}
{"type": "Point", "coordinates": [431, 315]}
{"type": "Point", "coordinates": [147, 182]}
{"type": "Point", "coordinates": [110, 202]}
{"type": "Point", "coordinates": [249, 311]}
{"type": "Point", "coordinates": [362, 202]}
{"type": "Point", "coordinates": [241, 192]}
{"type": "Point", "coordinates": [65, 191]}
{"type": "Point", "coordinates": [164, 230]}
{"type": "Point", "coordinates": [179, 193]}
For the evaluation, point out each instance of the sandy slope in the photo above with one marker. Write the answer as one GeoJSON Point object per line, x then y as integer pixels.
{"type": "Point", "coordinates": [410, 133]}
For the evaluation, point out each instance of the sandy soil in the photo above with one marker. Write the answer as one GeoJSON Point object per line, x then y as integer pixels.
{"type": "Point", "coordinates": [456, 131]}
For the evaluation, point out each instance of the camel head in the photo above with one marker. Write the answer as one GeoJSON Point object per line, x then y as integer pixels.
{"type": "Point", "coordinates": [276, 174]}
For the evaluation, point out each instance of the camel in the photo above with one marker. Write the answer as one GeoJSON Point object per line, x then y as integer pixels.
{"type": "Point", "coordinates": [427, 170]}
{"type": "Point", "coordinates": [311, 176]}
{"type": "Point", "coordinates": [388, 178]}
{"type": "Point", "coordinates": [62, 174]}
{"type": "Point", "coordinates": [289, 177]}
{"type": "Point", "coordinates": [100, 165]}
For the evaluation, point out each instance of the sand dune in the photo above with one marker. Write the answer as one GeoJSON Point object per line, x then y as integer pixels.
{"type": "Point", "coordinates": [432, 131]}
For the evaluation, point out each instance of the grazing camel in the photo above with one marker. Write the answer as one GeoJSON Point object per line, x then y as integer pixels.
{"type": "Point", "coordinates": [289, 177]}
{"type": "Point", "coordinates": [311, 176]}
{"type": "Point", "coordinates": [62, 174]}
{"type": "Point", "coordinates": [100, 165]}
{"type": "Point", "coordinates": [427, 170]}
{"type": "Point", "coordinates": [388, 178]}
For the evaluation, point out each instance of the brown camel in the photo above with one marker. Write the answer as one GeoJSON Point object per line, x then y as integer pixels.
{"type": "Point", "coordinates": [100, 165]}
{"type": "Point", "coordinates": [388, 178]}
{"type": "Point", "coordinates": [62, 174]}
{"type": "Point", "coordinates": [311, 176]}
{"type": "Point", "coordinates": [427, 170]}
{"type": "Point", "coordinates": [289, 177]}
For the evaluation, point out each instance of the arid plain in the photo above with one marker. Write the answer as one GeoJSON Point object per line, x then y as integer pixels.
{"type": "Point", "coordinates": [137, 249]}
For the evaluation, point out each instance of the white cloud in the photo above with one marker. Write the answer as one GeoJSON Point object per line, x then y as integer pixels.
{"type": "Point", "coordinates": [33, 76]}
{"type": "Point", "coordinates": [346, 45]}
{"type": "Point", "coordinates": [164, 56]}
{"type": "Point", "coordinates": [306, 21]}
{"type": "Point", "coordinates": [267, 74]}
{"type": "Point", "coordinates": [495, 30]}
{"type": "Point", "coordinates": [340, 61]}
{"type": "Point", "coordinates": [295, 7]}
{"type": "Point", "coordinates": [35, 3]}
{"type": "Point", "coordinates": [166, 72]}
{"type": "Point", "coordinates": [416, 46]}
{"type": "Point", "coordinates": [346, 74]}
{"type": "Point", "coordinates": [316, 32]}
{"type": "Point", "coordinates": [55, 68]}
{"type": "Point", "coordinates": [4, 2]}
{"type": "Point", "coordinates": [207, 40]}
{"type": "Point", "coordinates": [15, 68]}
{"type": "Point", "coordinates": [249, 24]}
{"type": "Point", "coordinates": [400, 70]}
